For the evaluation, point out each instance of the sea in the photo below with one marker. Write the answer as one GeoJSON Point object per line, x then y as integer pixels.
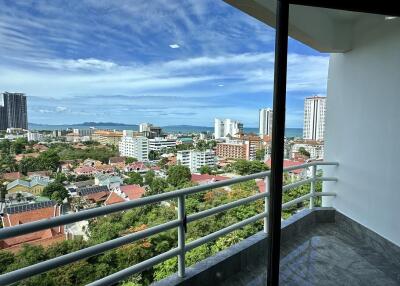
{"type": "Point", "coordinates": [176, 129]}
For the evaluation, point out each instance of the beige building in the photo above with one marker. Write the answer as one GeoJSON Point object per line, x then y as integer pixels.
{"type": "Point", "coordinates": [105, 137]}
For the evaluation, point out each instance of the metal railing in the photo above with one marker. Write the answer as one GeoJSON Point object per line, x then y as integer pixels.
{"type": "Point", "coordinates": [180, 223]}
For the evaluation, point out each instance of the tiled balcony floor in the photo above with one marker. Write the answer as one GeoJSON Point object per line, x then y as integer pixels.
{"type": "Point", "coordinates": [329, 254]}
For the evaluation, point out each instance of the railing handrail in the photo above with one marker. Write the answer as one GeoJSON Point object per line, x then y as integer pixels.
{"type": "Point", "coordinates": [44, 266]}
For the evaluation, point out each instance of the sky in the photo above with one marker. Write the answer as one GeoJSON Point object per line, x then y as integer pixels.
{"type": "Point", "coordinates": [160, 61]}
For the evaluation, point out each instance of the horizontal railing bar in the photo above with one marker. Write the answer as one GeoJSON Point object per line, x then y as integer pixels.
{"type": "Point", "coordinates": [125, 273]}
{"type": "Point", "coordinates": [296, 201]}
{"type": "Point", "coordinates": [327, 179]}
{"type": "Point", "coordinates": [8, 232]}
{"type": "Point", "coordinates": [325, 194]}
{"type": "Point", "coordinates": [221, 232]}
{"type": "Point", "coordinates": [20, 274]}
{"type": "Point", "coordinates": [225, 207]}
{"type": "Point", "coordinates": [297, 184]}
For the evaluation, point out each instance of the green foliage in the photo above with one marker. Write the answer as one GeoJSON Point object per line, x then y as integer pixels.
{"type": "Point", "coordinates": [244, 167]}
{"type": "Point", "coordinates": [206, 170]}
{"type": "Point", "coordinates": [158, 186]}
{"type": "Point", "coordinates": [149, 177]}
{"type": "Point", "coordinates": [100, 152]}
{"type": "Point", "coordinates": [178, 175]}
{"type": "Point", "coordinates": [48, 160]}
{"type": "Point", "coordinates": [55, 191]}
{"type": "Point", "coordinates": [202, 145]}
{"type": "Point", "coordinates": [130, 160]}
{"type": "Point", "coordinates": [304, 152]}
{"type": "Point", "coordinates": [134, 179]}
{"type": "Point", "coordinates": [154, 155]}
{"type": "Point", "coordinates": [260, 154]}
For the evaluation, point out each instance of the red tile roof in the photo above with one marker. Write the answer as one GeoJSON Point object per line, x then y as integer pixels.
{"type": "Point", "coordinates": [85, 170]}
{"type": "Point", "coordinates": [12, 176]}
{"type": "Point", "coordinates": [261, 186]}
{"type": "Point", "coordinates": [288, 163]}
{"type": "Point", "coordinates": [133, 192]}
{"type": "Point", "coordinates": [113, 198]}
{"type": "Point", "coordinates": [43, 237]}
{"type": "Point", "coordinates": [136, 166]}
{"type": "Point", "coordinates": [97, 197]}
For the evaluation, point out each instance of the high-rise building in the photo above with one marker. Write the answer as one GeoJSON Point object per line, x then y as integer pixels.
{"type": "Point", "coordinates": [16, 115]}
{"type": "Point", "coordinates": [149, 130]}
{"type": "Point", "coordinates": [314, 118]}
{"type": "Point", "coordinates": [194, 160]}
{"type": "Point", "coordinates": [136, 147]}
{"type": "Point", "coordinates": [225, 127]}
{"type": "Point", "coordinates": [265, 122]}
{"type": "Point", "coordinates": [3, 118]}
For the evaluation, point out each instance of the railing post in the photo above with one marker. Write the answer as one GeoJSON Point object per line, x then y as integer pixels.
{"type": "Point", "coordinates": [266, 190]}
{"type": "Point", "coordinates": [313, 183]}
{"type": "Point", "coordinates": [181, 235]}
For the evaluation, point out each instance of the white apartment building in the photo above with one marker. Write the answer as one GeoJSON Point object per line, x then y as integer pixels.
{"type": "Point", "coordinates": [225, 127]}
{"type": "Point", "coordinates": [314, 118]}
{"type": "Point", "coordinates": [195, 159]}
{"type": "Point", "coordinates": [136, 147]}
{"type": "Point", "coordinates": [265, 122]}
{"type": "Point", "coordinates": [83, 132]}
{"type": "Point", "coordinates": [34, 136]}
{"type": "Point", "coordinates": [144, 127]}
{"type": "Point", "coordinates": [316, 149]}
{"type": "Point", "coordinates": [158, 144]}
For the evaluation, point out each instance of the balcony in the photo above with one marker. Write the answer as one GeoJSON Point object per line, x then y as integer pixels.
{"type": "Point", "coordinates": [318, 243]}
{"type": "Point", "coordinates": [181, 224]}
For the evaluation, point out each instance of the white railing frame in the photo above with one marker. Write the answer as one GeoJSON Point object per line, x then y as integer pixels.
{"type": "Point", "coordinates": [180, 224]}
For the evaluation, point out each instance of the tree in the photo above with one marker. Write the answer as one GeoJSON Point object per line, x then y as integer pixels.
{"type": "Point", "coordinates": [56, 191]}
{"type": "Point", "coordinates": [130, 160]}
{"type": "Point", "coordinates": [158, 186]}
{"type": "Point", "coordinates": [153, 155]}
{"type": "Point", "coordinates": [149, 177]}
{"type": "Point", "coordinates": [260, 154]}
{"type": "Point", "coordinates": [178, 175]}
{"type": "Point", "coordinates": [134, 179]}
{"type": "Point", "coordinates": [304, 152]}
{"type": "Point", "coordinates": [244, 167]}
{"type": "Point", "coordinates": [205, 170]}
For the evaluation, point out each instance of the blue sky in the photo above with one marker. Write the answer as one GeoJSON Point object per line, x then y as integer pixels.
{"type": "Point", "coordinates": [160, 61]}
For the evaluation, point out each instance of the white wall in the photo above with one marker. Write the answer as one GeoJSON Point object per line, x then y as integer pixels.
{"type": "Point", "coordinates": [363, 128]}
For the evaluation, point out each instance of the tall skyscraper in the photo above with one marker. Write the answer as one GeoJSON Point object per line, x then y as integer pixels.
{"type": "Point", "coordinates": [3, 118]}
{"type": "Point", "coordinates": [265, 121]}
{"type": "Point", "coordinates": [225, 127]}
{"type": "Point", "coordinates": [314, 118]}
{"type": "Point", "coordinates": [15, 110]}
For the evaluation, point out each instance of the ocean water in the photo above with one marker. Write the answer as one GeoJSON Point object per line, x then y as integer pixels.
{"type": "Point", "coordinates": [289, 132]}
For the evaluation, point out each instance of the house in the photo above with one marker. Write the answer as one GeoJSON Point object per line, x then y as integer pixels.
{"type": "Point", "coordinates": [132, 192]}
{"type": "Point", "coordinates": [94, 194]}
{"type": "Point", "coordinates": [35, 186]}
{"type": "Point", "coordinates": [203, 179]}
{"type": "Point", "coordinates": [92, 163]}
{"type": "Point", "coordinates": [11, 176]}
{"type": "Point", "coordinates": [22, 214]}
{"type": "Point", "coordinates": [113, 198]}
{"type": "Point", "coordinates": [107, 180]}
{"type": "Point", "coordinates": [85, 170]}
{"type": "Point", "coordinates": [116, 160]}
{"type": "Point", "coordinates": [139, 167]}
{"type": "Point", "coordinates": [104, 169]}
{"type": "Point", "coordinates": [295, 174]}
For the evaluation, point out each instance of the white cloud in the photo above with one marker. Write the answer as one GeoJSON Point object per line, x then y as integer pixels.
{"type": "Point", "coordinates": [61, 108]}
{"type": "Point", "coordinates": [174, 46]}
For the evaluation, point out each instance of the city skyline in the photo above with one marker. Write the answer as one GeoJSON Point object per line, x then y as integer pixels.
{"type": "Point", "coordinates": [187, 65]}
